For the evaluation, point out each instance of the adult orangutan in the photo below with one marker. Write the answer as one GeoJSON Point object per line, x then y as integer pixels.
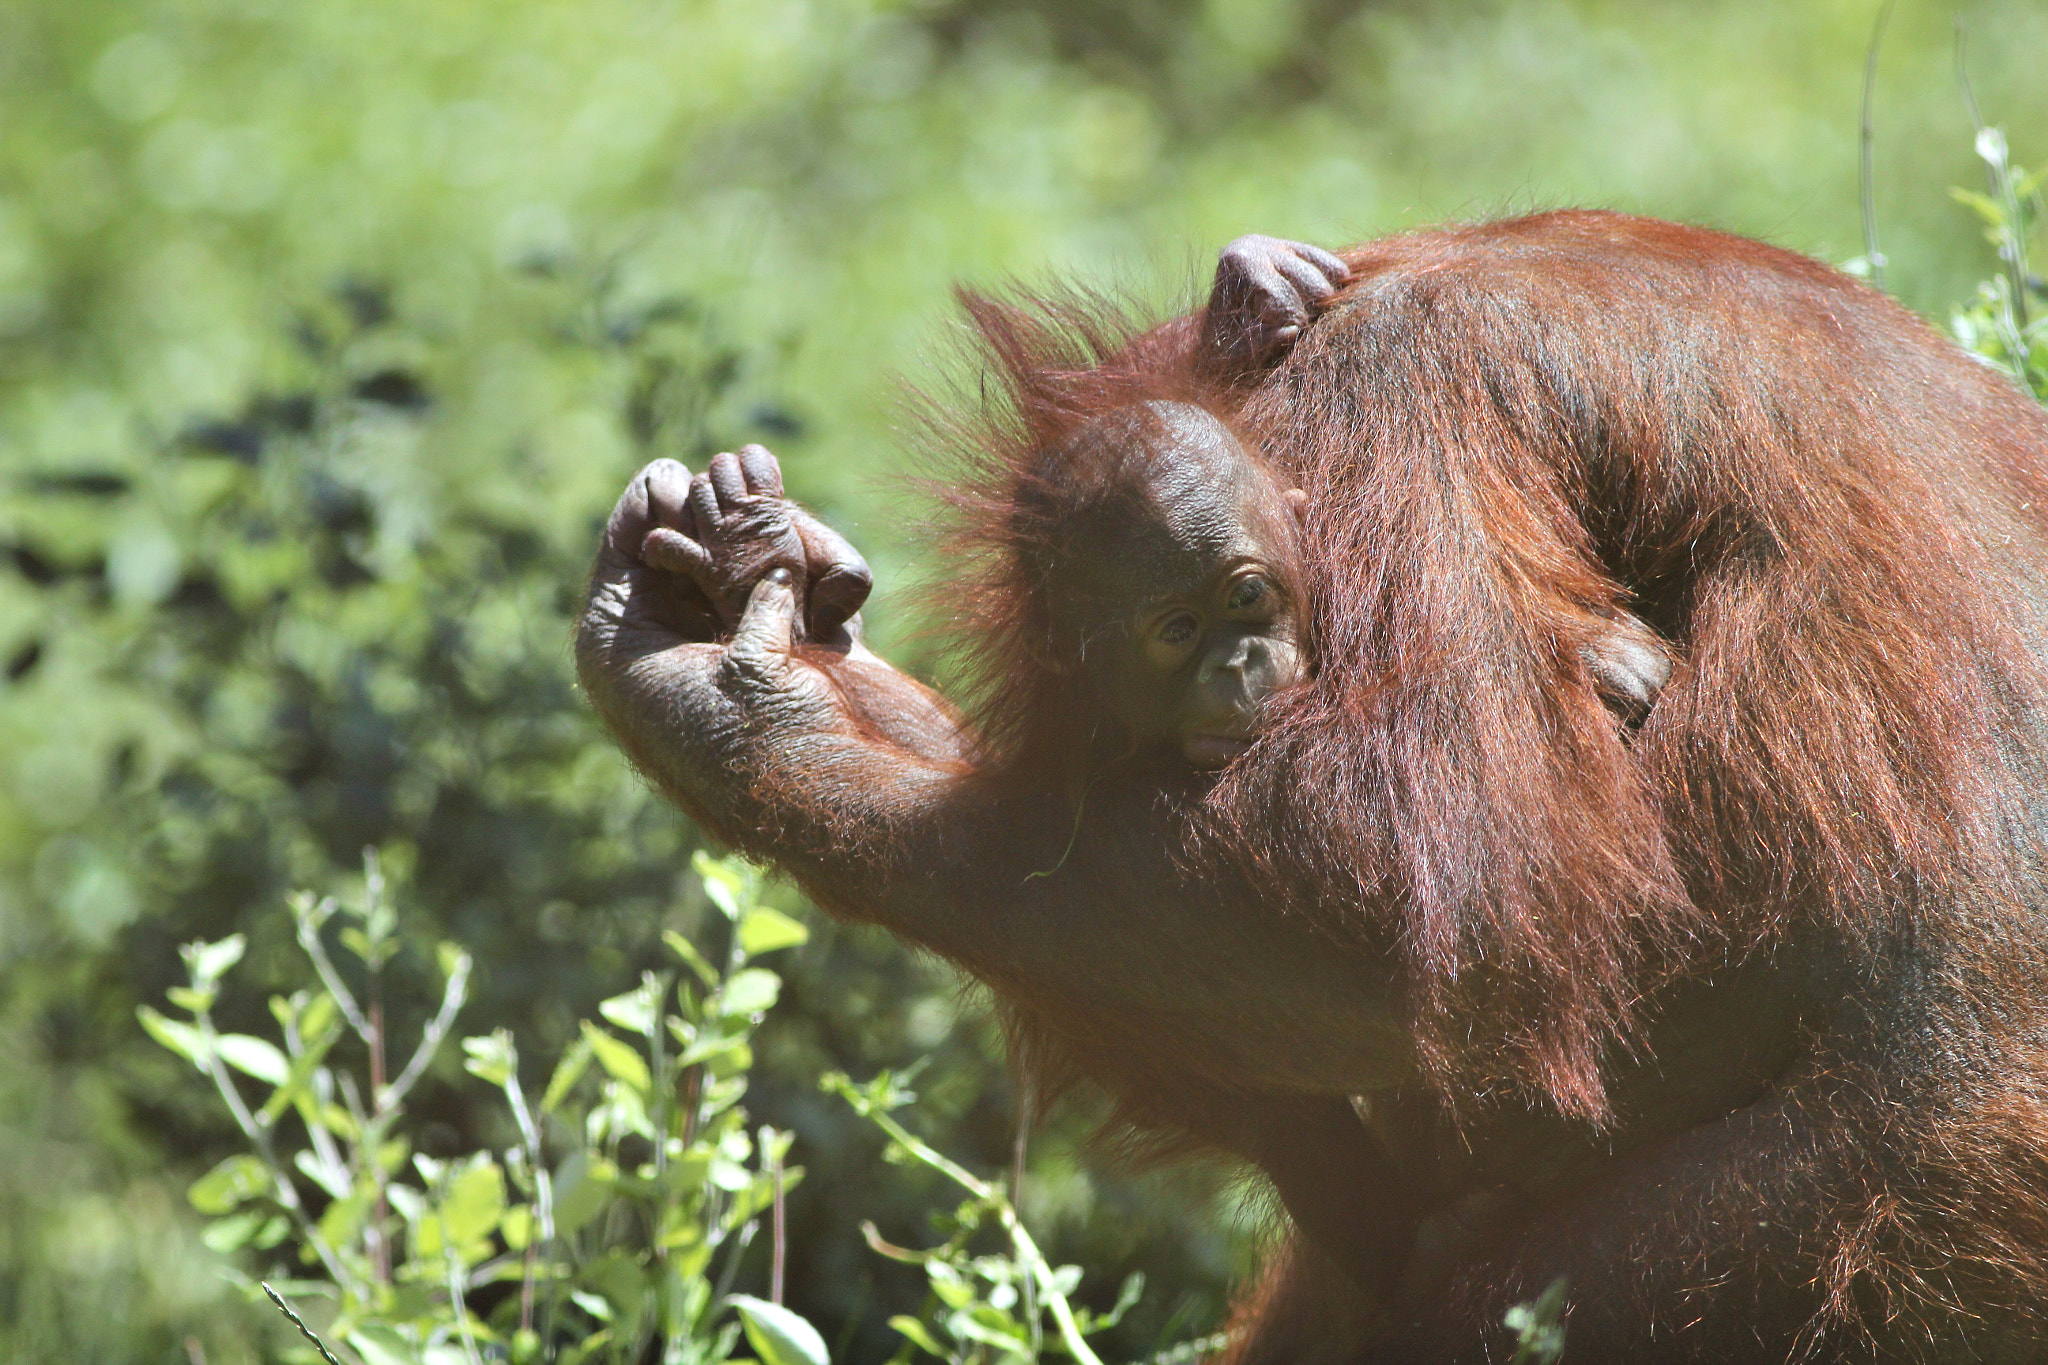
{"type": "Point", "coordinates": [1544, 760]}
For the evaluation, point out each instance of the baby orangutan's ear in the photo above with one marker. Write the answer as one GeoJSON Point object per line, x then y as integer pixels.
{"type": "Point", "coordinates": [1297, 502]}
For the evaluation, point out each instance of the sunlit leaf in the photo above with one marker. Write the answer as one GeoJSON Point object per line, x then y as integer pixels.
{"type": "Point", "coordinates": [918, 1334]}
{"type": "Point", "coordinates": [583, 1186]}
{"type": "Point", "coordinates": [729, 882]}
{"type": "Point", "coordinates": [381, 1345]}
{"type": "Point", "coordinates": [491, 1057]}
{"type": "Point", "coordinates": [568, 1071]}
{"type": "Point", "coordinates": [227, 1185]}
{"type": "Point", "coordinates": [777, 1335]}
{"type": "Point", "coordinates": [637, 1010]}
{"type": "Point", "coordinates": [765, 929]}
{"type": "Point", "coordinates": [184, 1039]}
{"type": "Point", "coordinates": [335, 1182]}
{"type": "Point", "coordinates": [625, 1065]}
{"type": "Point", "coordinates": [254, 1056]}
{"type": "Point", "coordinates": [232, 1233]}
{"type": "Point", "coordinates": [208, 961]}
{"type": "Point", "coordinates": [475, 1201]}
{"type": "Point", "coordinates": [190, 1000]}
{"type": "Point", "coordinates": [752, 991]}
{"type": "Point", "coordinates": [695, 960]}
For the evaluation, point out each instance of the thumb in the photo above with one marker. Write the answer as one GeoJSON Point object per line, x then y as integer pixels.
{"type": "Point", "coordinates": [767, 630]}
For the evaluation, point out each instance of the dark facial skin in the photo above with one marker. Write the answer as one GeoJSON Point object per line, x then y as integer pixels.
{"type": "Point", "coordinates": [1186, 625]}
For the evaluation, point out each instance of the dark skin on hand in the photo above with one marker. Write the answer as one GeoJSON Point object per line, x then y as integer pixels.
{"type": "Point", "coordinates": [1526, 734]}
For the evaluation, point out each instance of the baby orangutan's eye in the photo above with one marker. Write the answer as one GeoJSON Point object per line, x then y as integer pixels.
{"type": "Point", "coordinates": [1247, 592]}
{"type": "Point", "coordinates": [1177, 629]}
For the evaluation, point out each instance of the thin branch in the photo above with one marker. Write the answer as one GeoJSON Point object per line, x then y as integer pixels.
{"type": "Point", "coordinates": [286, 1193]}
{"type": "Point", "coordinates": [461, 1309]}
{"type": "Point", "coordinates": [543, 1195]}
{"type": "Point", "coordinates": [308, 922]}
{"type": "Point", "coordinates": [300, 1323]}
{"type": "Point", "coordinates": [430, 1037]}
{"type": "Point", "coordinates": [1026, 1093]}
{"type": "Point", "coordinates": [1867, 188]}
{"type": "Point", "coordinates": [1020, 1239]}
{"type": "Point", "coordinates": [779, 1236]}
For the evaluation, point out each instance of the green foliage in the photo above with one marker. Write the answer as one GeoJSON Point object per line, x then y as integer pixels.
{"type": "Point", "coordinates": [2006, 321]}
{"type": "Point", "coordinates": [990, 1307]}
{"type": "Point", "coordinates": [617, 1220]}
{"type": "Point", "coordinates": [621, 1220]}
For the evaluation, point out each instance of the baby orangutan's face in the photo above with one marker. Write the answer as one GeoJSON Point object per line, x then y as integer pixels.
{"type": "Point", "coordinates": [1186, 623]}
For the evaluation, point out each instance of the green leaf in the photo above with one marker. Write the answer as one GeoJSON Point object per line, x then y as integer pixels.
{"type": "Point", "coordinates": [764, 929]}
{"type": "Point", "coordinates": [777, 1335]}
{"type": "Point", "coordinates": [207, 961]}
{"type": "Point", "coordinates": [184, 1039]}
{"type": "Point", "coordinates": [625, 1065]}
{"type": "Point", "coordinates": [946, 1283]}
{"type": "Point", "coordinates": [254, 1056]}
{"type": "Point", "coordinates": [189, 1000]}
{"type": "Point", "coordinates": [731, 883]}
{"type": "Point", "coordinates": [751, 991]}
{"type": "Point", "coordinates": [583, 1187]}
{"type": "Point", "coordinates": [724, 1059]}
{"type": "Point", "coordinates": [588, 1348]}
{"type": "Point", "coordinates": [229, 1184]}
{"type": "Point", "coordinates": [379, 1344]}
{"type": "Point", "coordinates": [298, 1087]}
{"type": "Point", "coordinates": [720, 1096]}
{"type": "Point", "coordinates": [321, 1015]}
{"type": "Point", "coordinates": [637, 1011]}
{"type": "Point", "coordinates": [491, 1057]}
{"type": "Point", "coordinates": [314, 1169]}
{"type": "Point", "coordinates": [918, 1334]}
{"type": "Point", "coordinates": [695, 960]}
{"type": "Point", "coordinates": [568, 1071]}
{"type": "Point", "coordinates": [1983, 205]}
{"type": "Point", "coordinates": [475, 1202]}
{"type": "Point", "coordinates": [232, 1233]}
{"type": "Point", "coordinates": [344, 1218]}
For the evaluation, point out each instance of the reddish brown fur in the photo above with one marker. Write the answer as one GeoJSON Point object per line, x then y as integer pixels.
{"type": "Point", "coordinates": [1506, 433]}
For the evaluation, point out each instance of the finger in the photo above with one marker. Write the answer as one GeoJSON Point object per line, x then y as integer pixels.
{"type": "Point", "coordinates": [668, 491]}
{"type": "Point", "coordinates": [1328, 262]}
{"type": "Point", "coordinates": [677, 553]}
{"type": "Point", "coordinates": [628, 522]}
{"type": "Point", "coordinates": [727, 479]}
{"type": "Point", "coordinates": [767, 630]}
{"type": "Point", "coordinates": [763, 474]}
{"type": "Point", "coordinates": [840, 579]}
{"type": "Point", "coordinates": [704, 507]}
{"type": "Point", "coordinates": [1306, 277]}
{"type": "Point", "coordinates": [1280, 301]}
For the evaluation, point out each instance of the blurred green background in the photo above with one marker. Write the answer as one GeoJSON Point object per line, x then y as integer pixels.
{"type": "Point", "coordinates": [328, 331]}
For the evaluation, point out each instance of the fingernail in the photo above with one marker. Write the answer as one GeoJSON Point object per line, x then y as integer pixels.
{"type": "Point", "coordinates": [781, 578]}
